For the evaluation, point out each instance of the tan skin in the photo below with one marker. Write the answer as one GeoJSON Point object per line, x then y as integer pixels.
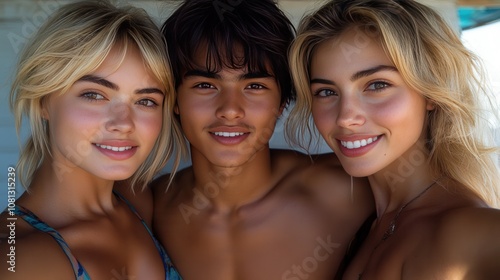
{"type": "Point", "coordinates": [446, 232]}
{"type": "Point", "coordinates": [243, 211]}
{"type": "Point", "coordinates": [104, 235]}
{"type": "Point", "coordinates": [434, 240]}
{"type": "Point", "coordinates": [269, 233]}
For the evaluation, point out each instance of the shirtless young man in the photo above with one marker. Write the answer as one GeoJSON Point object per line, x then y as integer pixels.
{"type": "Point", "coordinates": [244, 211]}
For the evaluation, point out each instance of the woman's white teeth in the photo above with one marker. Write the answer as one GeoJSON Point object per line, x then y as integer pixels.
{"type": "Point", "coordinates": [115, 149]}
{"type": "Point", "coordinates": [358, 143]}
{"type": "Point", "coordinates": [229, 134]}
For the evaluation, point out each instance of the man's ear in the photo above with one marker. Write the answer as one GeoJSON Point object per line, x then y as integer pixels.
{"type": "Point", "coordinates": [282, 107]}
{"type": "Point", "coordinates": [176, 109]}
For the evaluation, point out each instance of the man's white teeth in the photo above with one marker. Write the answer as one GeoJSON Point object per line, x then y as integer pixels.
{"type": "Point", "coordinates": [115, 149]}
{"type": "Point", "coordinates": [229, 134]}
{"type": "Point", "coordinates": [358, 143]}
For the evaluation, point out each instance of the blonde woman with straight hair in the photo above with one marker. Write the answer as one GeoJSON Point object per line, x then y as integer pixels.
{"type": "Point", "coordinates": [396, 96]}
{"type": "Point", "coordinates": [94, 83]}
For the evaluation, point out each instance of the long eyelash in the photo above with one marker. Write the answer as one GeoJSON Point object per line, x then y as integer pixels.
{"type": "Point", "coordinates": [203, 85]}
{"type": "Point", "coordinates": [317, 92]}
{"type": "Point", "coordinates": [386, 85]}
{"type": "Point", "coordinates": [155, 104]}
{"type": "Point", "coordinates": [259, 86]}
{"type": "Point", "coordinates": [95, 97]}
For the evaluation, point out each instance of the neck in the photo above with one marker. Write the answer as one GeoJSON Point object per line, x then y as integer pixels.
{"type": "Point", "coordinates": [399, 183]}
{"type": "Point", "coordinates": [74, 193]}
{"type": "Point", "coordinates": [231, 187]}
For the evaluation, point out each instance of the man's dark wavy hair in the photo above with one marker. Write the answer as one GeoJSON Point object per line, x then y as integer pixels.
{"type": "Point", "coordinates": [224, 28]}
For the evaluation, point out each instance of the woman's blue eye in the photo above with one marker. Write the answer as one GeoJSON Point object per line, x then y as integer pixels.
{"type": "Point", "coordinates": [93, 96]}
{"type": "Point", "coordinates": [324, 93]}
{"type": "Point", "coordinates": [377, 86]}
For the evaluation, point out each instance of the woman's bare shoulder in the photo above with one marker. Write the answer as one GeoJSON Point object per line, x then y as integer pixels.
{"type": "Point", "coordinates": [475, 224]}
{"type": "Point", "coordinates": [27, 253]}
{"type": "Point", "coordinates": [470, 236]}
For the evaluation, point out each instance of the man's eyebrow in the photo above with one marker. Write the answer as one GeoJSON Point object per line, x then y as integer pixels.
{"type": "Point", "coordinates": [373, 70]}
{"type": "Point", "coordinates": [213, 75]}
{"type": "Point", "coordinates": [256, 75]}
{"type": "Point", "coordinates": [357, 75]}
{"type": "Point", "coordinates": [100, 81]}
{"type": "Point", "coordinates": [105, 83]}
{"type": "Point", "coordinates": [201, 73]}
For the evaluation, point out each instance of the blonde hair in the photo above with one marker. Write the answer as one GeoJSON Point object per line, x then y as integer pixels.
{"type": "Point", "coordinates": [75, 41]}
{"type": "Point", "coordinates": [432, 60]}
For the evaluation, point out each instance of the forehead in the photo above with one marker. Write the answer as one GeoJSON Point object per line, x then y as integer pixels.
{"type": "Point", "coordinates": [354, 49]}
{"type": "Point", "coordinates": [218, 58]}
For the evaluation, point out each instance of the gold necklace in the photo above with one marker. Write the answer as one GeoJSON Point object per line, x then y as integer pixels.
{"type": "Point", "coordinates": [392, 225]}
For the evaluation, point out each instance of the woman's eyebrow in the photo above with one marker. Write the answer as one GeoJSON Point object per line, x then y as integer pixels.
{"type": "Point", "coordinates": [100, 81]}
{"type": "Point", "coordinates": [357, 75]}
{"type": "Point", "coordinates": [106, 83]}
{"type": "Point", "coordinates": [373, 70]}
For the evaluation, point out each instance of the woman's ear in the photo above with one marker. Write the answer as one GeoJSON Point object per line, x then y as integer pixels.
{"type": "Point", "coordinates": [45, 109]}
{"type": "Point", "coordinates": [430, 105]}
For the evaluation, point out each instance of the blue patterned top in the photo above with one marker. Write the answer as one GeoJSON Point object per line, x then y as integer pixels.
{"type": "Point", "coordinates": [171, 272]}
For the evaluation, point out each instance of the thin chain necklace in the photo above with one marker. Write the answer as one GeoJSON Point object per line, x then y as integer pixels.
{"type": "Point", "coordinates": [392, 225]}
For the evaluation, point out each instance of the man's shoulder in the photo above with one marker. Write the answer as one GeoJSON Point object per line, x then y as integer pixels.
{"type": "Point", "coordinates": [296, 159]}
{"type": "Point", "coordinates": [329, 182]}
{"type": "Point", "coordinates": [323, 168]}
{"type": "Point", "coordinates": [169, 180]}
{"type": "Point", "coordinates": [290, 156]}
{"type": "Point", "coordinates": [167, 186]}
{"type": "Point", "coordinates": [325, 181]}
{"type": "Point", "coordinates": [312, 171]}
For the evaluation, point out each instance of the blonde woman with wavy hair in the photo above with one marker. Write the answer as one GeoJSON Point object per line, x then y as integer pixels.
{"type": "Point", "coordinates": [396, 96]}
{"type": "Point", "coordinates": [94, 83]}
